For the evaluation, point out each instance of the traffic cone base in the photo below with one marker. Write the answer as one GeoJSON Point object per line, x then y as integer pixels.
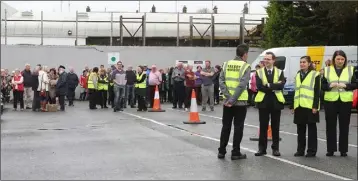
{"type": "Point", "coordinates": [156, 105]}
{"type": "Point", "coordinates": [269, 135]}
{"type": "Point", "coordinates": [194, 115]}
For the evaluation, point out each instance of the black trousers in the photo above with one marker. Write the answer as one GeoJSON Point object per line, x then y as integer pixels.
{"type": "Point", "coordinates": [61, 100]}
{"type": "Point", "coordinates": [71, 95]}
{"type": "Point", "coordinates": [312, 138]}
{"type": "Point", "coordinates": [36, 101]}
{"type": "Point", "coordinates": [342, 110]}
{"type": "Point", "coordinates": [198, 95]}
{"type": "Point", "coordinates": [142, 106]}
{"type": "Point", "coordinates": [170, 94]}
{"type": "Point", "coordinates": [102, 98]}
{"type": "Point", "coordinates": [18, 97]}
{"type": "Point", "coordinates": [179, 94]}
{"type": "Point", "coordinates": [265, 115]}
{"type": "Point", "coordinates": [187, 101]}
{"type": "Point", "coordinates": [163, 96]}
{"type": "Point", "coordinates": [216, 94]}
{"type": "Point", "coordinates": [230, 114]}
{"type": "Point", "coordinates": [110, 95]}
{"type": "Point", "coordinates": [92, 97]}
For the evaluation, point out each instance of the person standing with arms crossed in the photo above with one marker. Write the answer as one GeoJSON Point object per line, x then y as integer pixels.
{"type": "Point", "coordinates": [270, 101]}
{"type": "Point", "coordinates": [233, 82]}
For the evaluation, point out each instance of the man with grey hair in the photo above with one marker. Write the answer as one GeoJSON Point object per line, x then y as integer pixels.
{"type": "Point", "coordinates": [27, 75]}
{"type": "Point", "coordinates": [130, 94]}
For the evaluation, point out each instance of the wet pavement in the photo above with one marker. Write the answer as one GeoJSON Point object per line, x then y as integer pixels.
{"type": "Point", "coordinates": [100, 144]}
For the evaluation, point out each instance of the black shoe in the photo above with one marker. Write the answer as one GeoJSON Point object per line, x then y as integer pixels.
{"type": "Point", "coordinates": [174, 107]}
{"type": "Point", "coordinates": [28, 107]}
{"type": "Point", "coordinates": [276, 153]}
{"type": "Point", "coordinates": [221, 155]}
{"type": "Point", "coordinates": [330, 154]}
{"type": "Point", "coordinates": [310, 155]}
{"type": "Point", "coordinates": [105, 107]}
{"type": "Point", "coordinates": [114, 110]}
{"type": "Point", "coordinates": [145, 110]}
{"type": "Point", "coordinates": [343, 154]}
{"type": "Point", "coordinates": [121, 109]}
{"type": "Point", "coordinates": [238, 157]}
{"type": "Point", "coordinates": [139, 110]}
{"type": "Point", "coordinates": [260, 153]}
{"type": "Point", "coordinates": [133, 107]}
{"type": "Point", "coordinates": [297, 154]}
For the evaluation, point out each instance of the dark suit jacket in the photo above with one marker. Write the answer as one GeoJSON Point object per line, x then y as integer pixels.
{"type": "Point", "coordinates": [270, 99]}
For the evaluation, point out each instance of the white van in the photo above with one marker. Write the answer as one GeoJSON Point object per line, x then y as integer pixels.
{"type": "Point", "coordinates": [194, 63]}
{"type": "Point", "coordinates": [288, 58]}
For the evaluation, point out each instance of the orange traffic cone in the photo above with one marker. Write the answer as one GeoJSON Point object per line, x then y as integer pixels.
{"type": "Point", "coordinates": [156, 105]}
{"type": "Point", "coordinates": [194, 115]}
{"type": "Point", "coordinates": [269, 134]}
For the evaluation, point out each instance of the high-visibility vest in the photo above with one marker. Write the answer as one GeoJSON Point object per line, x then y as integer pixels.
{"type": "Point", "coordinates": [346, 76]}
{"type": "Point", "coordinates": [143, 84]}
{"type": "Point", "coordinates": [234, 70]}
{"type": "Point", "coordinates": [260, 95]}
{"type": "Point", "coordinates": [90, 82]}
{"type": "Point", "coordinates": [103, 86]}
{"type": "Point", "coordinates": [304, 91]}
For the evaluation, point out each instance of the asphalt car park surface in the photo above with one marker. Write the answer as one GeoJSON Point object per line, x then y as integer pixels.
{"type": "Point", "coordinates": [85, 144]}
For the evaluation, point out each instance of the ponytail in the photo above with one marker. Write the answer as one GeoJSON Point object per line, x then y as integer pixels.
{"type": "Point", "coordinates": [308, 58]}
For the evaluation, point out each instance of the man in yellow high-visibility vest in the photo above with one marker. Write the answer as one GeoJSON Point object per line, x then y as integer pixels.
{"type": "Point", "coordinates": [233, 82]}
{"type": "Point", "coordinates": [270, 101]}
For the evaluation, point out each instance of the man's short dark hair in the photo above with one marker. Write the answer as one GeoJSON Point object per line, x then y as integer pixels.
{"type": "Point", "coordinates": [95, 70]}
{"type": "Point", "coordinates": [241, 50]}
{"type": "Point", "coordinates": [272, 54]}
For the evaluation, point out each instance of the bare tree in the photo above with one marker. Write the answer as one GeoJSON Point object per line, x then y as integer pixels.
{"type": "Point", "coordinates": [203, 11]}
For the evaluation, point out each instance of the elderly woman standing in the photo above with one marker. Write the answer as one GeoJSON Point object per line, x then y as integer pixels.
{"type": "Point", "coordinates": [18, 89]}
{"type": "Point", "coordinates": [43, 87]}
{"type": "Point", "coordinates": [53, 77]}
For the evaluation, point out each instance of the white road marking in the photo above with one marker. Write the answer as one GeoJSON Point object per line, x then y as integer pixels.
{"type": "Point", "coordinates": [247, 149]}
{"type": "Point", "coordinates": [254, 126]}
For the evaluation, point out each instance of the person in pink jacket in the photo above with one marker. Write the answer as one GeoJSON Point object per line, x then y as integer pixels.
{"type": "Point", "coordinates": [18, 89]}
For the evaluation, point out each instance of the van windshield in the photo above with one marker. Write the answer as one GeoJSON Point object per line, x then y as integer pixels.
{"type": "Point", "coordinates": [256, 62]}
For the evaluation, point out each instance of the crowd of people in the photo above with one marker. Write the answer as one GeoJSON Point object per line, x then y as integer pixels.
{"type": "Point", "coordinates": [114, 86]}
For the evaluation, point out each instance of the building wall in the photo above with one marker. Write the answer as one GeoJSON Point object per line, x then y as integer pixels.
{"type": "Point", "coordinates": [15, 56]}
{"type": "Point", "coordinates": [46, 41]}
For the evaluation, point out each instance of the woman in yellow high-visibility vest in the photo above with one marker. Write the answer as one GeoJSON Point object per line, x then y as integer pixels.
{"type": "Point", "coordinates": [306, 107]}
{"type": "Point", "coordinates": [141, 89]}
{"type": "Point", "coordinates": [338, 83]}
{"type": "Point", "coordinates": [102, 88]}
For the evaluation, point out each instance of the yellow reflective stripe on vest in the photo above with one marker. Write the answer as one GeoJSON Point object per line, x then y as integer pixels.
{"type": "Point", "coordinates": [234, 70]}
{"type": "Point", "coordinates": [260, 95]}
{"type": "Point", "coordinates": [345, 78]}
{"type": "Point", "coordinates": [304, 91]}
{"type": "Point", "coordinates": [143, 84]}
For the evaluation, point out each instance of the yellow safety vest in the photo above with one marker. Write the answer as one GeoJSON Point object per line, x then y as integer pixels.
{"type": "Point", "coordinates": [143, 84]}
{"type": "Point", "coordinates": [103, 86]}
{"type": "Point", "coordinates": [346, 76]}
{"type": "Point", "coordinates": [234, 70]}
{"type": "Point", "coordinates": [304, 91]}
{"type": "Point", "coordinates": [260, 95]}
{"type": "Point", "coordinates": [90, 84]}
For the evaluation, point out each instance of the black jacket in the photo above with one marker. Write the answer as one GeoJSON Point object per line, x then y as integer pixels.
{"type": "Point", "coordinates": [72, 80]}
{"type": "Point", "coordinates": [35, 81]}
{"type": "Point", "coordinates": [61, 86]}
{"type": "Point", "coordinates": [131, 77]}
{"type": "Point", "coordinates": [304, 115]}
{"type": "Point", "coordinates": [270, 99]}
{"type": "Point", "coordinates": [27, 78]}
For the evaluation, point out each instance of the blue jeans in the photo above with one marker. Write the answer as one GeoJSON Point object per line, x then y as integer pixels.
{"type": "Point", "coordinates": [119, 95]}
{"type": "Point", "coordinates": [130, 94]}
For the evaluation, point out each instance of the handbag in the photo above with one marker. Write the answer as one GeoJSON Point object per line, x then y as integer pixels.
{"type": "Point", "coordinates": [42, 91]}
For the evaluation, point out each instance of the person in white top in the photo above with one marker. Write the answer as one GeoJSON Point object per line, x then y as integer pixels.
{"type": "Point", "coordinates": [43, 87]}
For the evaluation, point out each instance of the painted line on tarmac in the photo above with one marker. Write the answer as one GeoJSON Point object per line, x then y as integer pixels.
{"type": "Point", "coordinates": [254, 126]}
{"type": "Point", "coordinates": [244, 148]}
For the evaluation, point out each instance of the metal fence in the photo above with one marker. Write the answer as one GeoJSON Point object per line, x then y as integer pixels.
{"type": "Point", "coordinates": [84, 24]}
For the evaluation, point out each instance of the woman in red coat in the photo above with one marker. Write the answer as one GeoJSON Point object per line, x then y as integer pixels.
{"type": "Point", "coordinates": [18, 89]}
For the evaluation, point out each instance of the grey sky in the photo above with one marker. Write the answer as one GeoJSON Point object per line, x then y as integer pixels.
{"type": "Point", "coordinates": [256, 7]}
